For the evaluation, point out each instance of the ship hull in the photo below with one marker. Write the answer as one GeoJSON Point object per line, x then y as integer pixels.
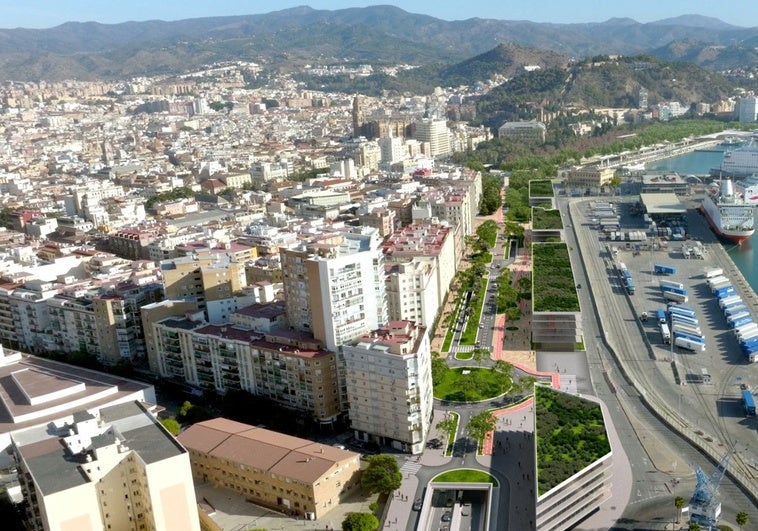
{"type": "Point", "coordinates": [733, 236]}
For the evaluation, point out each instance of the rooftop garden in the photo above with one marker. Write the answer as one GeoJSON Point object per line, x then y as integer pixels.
{"type": "Point", "coordinates": [543, 219]}
{"type": "Point", "coordinates": [541, 188]}
{"type": "Point", "coordinates": [552, 279]}
{"type": "Point", "coordinates": [570, 435]}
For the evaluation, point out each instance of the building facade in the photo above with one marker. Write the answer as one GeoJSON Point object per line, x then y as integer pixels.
{"type": "Point", "coordinates": [284, 473]}
{"type": "Point", "coordinates": [119, 470]}
{"type": "Point", "coordinates": [389, 383]}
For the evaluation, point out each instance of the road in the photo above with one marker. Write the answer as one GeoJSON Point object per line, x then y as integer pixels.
{"type": "Point", "coordinates": [648, 443]}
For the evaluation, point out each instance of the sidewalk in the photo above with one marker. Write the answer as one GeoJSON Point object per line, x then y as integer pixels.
{"type": "Point", "coordinates": [400, 506]}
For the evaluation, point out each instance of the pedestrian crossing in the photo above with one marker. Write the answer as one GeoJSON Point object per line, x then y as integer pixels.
{"type": "Point", "coordinates": [410, 467]}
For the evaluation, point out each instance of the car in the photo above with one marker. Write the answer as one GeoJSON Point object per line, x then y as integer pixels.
{"type": "Point", "coordinates": [417, 505]}
{"type": "Point", "coordinates": [447, 516]}
{"type": "Point", "coordinates": [465, 509]}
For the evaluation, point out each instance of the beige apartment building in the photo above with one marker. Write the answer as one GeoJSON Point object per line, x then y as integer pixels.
{"type": "Point", "coordinates": [389, 382]}
{"type": "Point", "coordinates": [118, 470]}
{"type": "Point", "coordinates": [287, 474]}
{"type": "Point", "coordinates": [285, 366]}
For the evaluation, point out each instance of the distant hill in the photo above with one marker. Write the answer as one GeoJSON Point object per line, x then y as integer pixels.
{"type": "Point", "coordinates": [593, 84]}
{"type": "Point", "coordinates": [505, 60]}
{"type": "Point", "coordinates": [709, 55]}
{"type": "Point", "coordinates": [287, 38]}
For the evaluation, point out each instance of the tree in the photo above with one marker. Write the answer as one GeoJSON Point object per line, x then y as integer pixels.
{"type": "Point", "coordinates": [741, 519]}
{"type": "Point", "coordinates": [448, 424]}
{"type": "Point", "coordinates": [478, 354]}
{"type": "Point", "coordinates": [694, 526]}
{"type": "Point", "coordinates": [480, 424]}
{"type": "Point", "coordinates": [360, 522]}
{"type": "Point", "coordinates": [679, 504]}
{"type": "Point", "coordinates": [171, 424]}
{"type": "Point", "coordinates": [382, 475]}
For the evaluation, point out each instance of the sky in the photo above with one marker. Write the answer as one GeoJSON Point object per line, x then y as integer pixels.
{"type": "Point", "coordinates": [48, 13]}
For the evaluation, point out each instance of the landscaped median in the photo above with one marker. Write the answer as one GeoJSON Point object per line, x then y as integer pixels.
{"type": "Point", "coordinates": [465, 475]}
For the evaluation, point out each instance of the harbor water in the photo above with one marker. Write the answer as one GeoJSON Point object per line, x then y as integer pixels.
{"type": "Point", "coordinates": [745, 256]}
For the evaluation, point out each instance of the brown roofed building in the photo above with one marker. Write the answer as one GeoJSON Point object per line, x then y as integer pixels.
{"type": "Point", "coordinates": [285, 473]}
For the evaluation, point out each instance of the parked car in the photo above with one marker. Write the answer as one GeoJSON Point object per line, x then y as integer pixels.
{"type": "Point", "coordinates": [417, 505]}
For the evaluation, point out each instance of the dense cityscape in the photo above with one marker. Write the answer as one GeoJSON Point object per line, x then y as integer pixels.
{"type": "Point", "coordinates": [232, 301]}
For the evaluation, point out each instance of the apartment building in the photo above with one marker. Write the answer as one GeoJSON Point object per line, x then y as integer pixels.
{"type": "Point", "coordinates": [334, 285]}
{"type": "Point", "coordinates": [389, 383]}
{"type": "Point", "coordinates": [287, 474]}
{"type": "Point", "coordinates": [118, 469]}
{"type": "Point", "coordinates": [412, 292]}
{"type": "Point", "coordinates": [435, 133]}
{"type": "Point", "coordinates": [408, 290]}
{"type": "Point", "coordinates": [287, 367]}
{"type": "Point", "coordinates": [533, 132]}
{"type": "Point", "coordinates": [203, 279]}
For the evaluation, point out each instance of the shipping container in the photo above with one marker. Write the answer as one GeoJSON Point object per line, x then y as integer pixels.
{"type": "Point", "coordinates": [678, 326]}
{"type": "Point", "coordinates": [685, 343]}
{"type": "Point", "coordinates": [664, 269]}
{"type": "Point", "coordinates": [748, 402]}
{"type": "Point", "coordinates": [729, 300]}
{"type": "Point", "coordinates": [725, 291]}
{"type": "Point", "coordinates": [665, 334]}
{"type": "Point", "coordinates": [671, 284]}
{"type": "Point", "coordinates": [715, 280]}
{"type": "Point", "coordinates": [675, 297]}
{"type": "Point", "coordinates": [740, 322]}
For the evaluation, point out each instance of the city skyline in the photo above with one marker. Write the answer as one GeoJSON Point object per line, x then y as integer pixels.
{"type": "Point", "coordinates": [50, 13]}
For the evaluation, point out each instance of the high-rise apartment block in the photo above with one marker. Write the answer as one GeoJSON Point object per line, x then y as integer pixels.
{"type": "Point", "coordinates": [119, 470]}
{"type": "Point", "coordinates": [334, 285]}
{"type": "Point", "coordinates": [421, 263]}
{"type": "Point", "coordinates": [389, 381]}
{"type": "Point", "coordinates": [748, 110]}
{"type": "Point", "coordinates": [436, 134]}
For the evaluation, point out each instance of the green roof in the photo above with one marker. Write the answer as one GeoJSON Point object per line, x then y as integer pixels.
{"type": "Point", "coordinates": [570, 435]}
{"type": "Point", "coordinates": [553, 286]}
{"type": "Point", "coordinates": [543, 219]}
{"type": "Point", "coordinates": [541, 188]}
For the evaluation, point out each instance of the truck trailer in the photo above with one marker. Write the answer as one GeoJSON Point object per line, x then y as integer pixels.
{"type": "Point", "coordinates": [689, 344]}
{"type": "Point", "coordinates": [748, 402]}
{"type": "Point", "coordinates": [671, 284]}
{"type": "Point", "coordinates": [729, 300]}
{"type": "Point", "coordinates": [660, 269]}
{"type": "Point", "coordinates": [715, 272]}
{"type": "Point", "coordinates": [675, 297]}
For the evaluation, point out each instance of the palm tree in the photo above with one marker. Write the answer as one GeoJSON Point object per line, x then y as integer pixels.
{"type": "Point", "coordinates": [679, 504]}
{"type": "Point", "coordinates": [741, 519]}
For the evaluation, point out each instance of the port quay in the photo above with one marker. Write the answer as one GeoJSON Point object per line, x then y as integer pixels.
{"type": "Point", "coordinates": [654, 153]}
{"type": "Point", "coordinates": [668, 378]}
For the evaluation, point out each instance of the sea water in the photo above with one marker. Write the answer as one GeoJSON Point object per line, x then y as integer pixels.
{"type": "Point", "coordinates": [745, 256]}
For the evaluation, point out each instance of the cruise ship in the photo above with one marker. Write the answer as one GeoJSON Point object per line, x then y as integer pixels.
{"type": "Point", "coordinates": [729, 216]}
{"type": "Point", "coordinates": [739, 162]}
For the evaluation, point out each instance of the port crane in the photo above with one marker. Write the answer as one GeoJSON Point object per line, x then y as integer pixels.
{"type": "Point", "coordinates": [705, 506]}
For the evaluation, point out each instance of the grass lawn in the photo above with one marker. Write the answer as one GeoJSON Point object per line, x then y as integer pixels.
{"type": "Point", "coordinates": [465, 475]}
{"type": "Point", "coordinates": [478, 384]}
{"type": "Point", "coordinates": [451, 325]}
{"type": "Point", "coordinates": [464, 355]}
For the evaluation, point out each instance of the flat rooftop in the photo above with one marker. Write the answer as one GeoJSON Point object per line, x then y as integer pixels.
{"type": "Point", "coordinates": [664, 203]}
{"type": "Point", "coordinates": [36, 390]}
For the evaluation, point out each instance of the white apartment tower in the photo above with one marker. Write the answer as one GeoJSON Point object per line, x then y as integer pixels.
{"type": "Point", "coordinates": [334, 285]}
{"type": "Point", "coordinates": [436, 133]}
{"type": "Point", "coordinates": [392, 149]}
{"type": "Point", "coordinates": [389, 382]}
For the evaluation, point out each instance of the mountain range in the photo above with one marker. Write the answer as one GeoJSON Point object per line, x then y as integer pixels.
{"type": "Point", "coordinates": [377, 34]}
